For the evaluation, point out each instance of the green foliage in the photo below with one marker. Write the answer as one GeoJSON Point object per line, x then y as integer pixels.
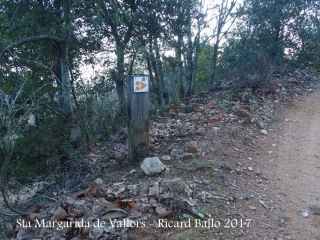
{"type": "Point", "coordinates": [35, 147]}
{"type": "Point", "coordinates": [99, 109]}
{"type": "Point", "coordinates": [251, 67]}
{"type": "Point", "coordinates": [307, 51]}
{"type": "Point", "coordinates": [203, 67]}
{"type": "Point", "coordinates": [268, 34]}
{"type": "Point", "coordinates": [25, 169]}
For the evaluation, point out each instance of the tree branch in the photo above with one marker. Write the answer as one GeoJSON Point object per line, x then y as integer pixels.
{"type": "Point", "coordinates": [28, 40]}
{"type": "Point", "coordinates": [108, 19]}
{"type": "Point", "coordinates": [57, 112]}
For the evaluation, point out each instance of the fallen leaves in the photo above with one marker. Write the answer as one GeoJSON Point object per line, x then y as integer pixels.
{"type": "Point", "coordinates": [109, 210]}
{"type": "Point", "coordinates": [59, 214]}
{"type": "Point", "coordinates": [163, 212]}
{"type": "Point", "coordinates": [128, 202]}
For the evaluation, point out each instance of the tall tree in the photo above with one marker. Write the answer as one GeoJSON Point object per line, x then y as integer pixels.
{"type": "Point", "coordinates": [154, 36]}
{"type": "Point", "coordinates": [178, 28]}
{"type": "Point", "coordinates": [266, 31]}
{"type": "Point", "coordinates": [194, 26]}
{"type": "Point", "coordinates": [224, 20]}
{"type": "Point", "coordinates": [48, 41]}
{"type": "Point", "coordinates": [268, 24]}
{"type": "Point", "coordinates": [60, 41]}
{"type": "Point", "coordinates": [120, 18]}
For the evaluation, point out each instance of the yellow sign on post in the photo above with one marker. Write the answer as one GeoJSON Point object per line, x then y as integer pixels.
{"type": "Point", "coordinates": [141, 84]}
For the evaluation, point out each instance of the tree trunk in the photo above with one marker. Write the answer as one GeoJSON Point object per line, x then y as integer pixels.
{"type": "Point", "coordinates": [65, 82]}
{"type": "Point", "coordinates": [224, 17]}
{"type": "Point", "coordinates": [120, 78]}
{"type": "Point", "coordinates": [156, 73]}
{"type": "Point", "coordinates": [65, 100]}
{"type": "Point", "coordinates": [196, 53]}
{"type": "Point", "coordinates": [275, 51]}
{"type": "Point", "coordinates": [149, 67]}
{"type": "Point", "coordinates": [162, 87]}
{"type": "Point", "coordinates": [189, 62]}
{"type": "Point", "coordinates": [180, 65]}
{"type": "Point", "coordinates": [214, 62]}
{"type": "Point", "coordinates": [214, 59]}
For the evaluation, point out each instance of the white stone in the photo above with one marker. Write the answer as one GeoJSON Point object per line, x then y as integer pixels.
{"type": "Point", "coordinates": [152, 166]}
{"type": "Point", "coordinates": [32, 120]}
{"type": "Point", "coordinates": [252, 208]}
{"type": "Point", "coordinates": [98, 181]}
{"type": "Point", "coordinates": [166, 157]}
{"type": "Point", "coordinates": [264, 132]}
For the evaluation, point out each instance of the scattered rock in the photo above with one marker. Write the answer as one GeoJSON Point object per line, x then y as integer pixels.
{"type": "Point", "coordinates": [305, 214]}
{"type": "Point", "coordinates": [283, 222]}
{"type": "Point", "coordinates": [9, 229]}
{"type": "Point", "coordinates": [211, 104]}
{"type": "Point", "coordinates": [98, 181]}
{"type": "Point", "coordinates": [252, 208]}
{"type": "Point", "coordinates": [250, 168]}
{"type": "Point", "coordinates": [238, 171]}
{"type": "Point", "coordinates": [263, 204]}
{"type": "Point", "coordinates": [175, 185]}
{"type": "Point", "coordinates": [59, 214]}
{"type": "Point", "coordinates": [293, 81]}
{"type": "Point", "coordinates": [191, 147]}
{"type": "Point", "coordinates": [165, 158]}
{"type": "Point", "coordinates": [152, 166]}
{"type": "Point", "coordinates": [96, 233]}
{"type": "Point", "coordinates": [85, 231]}
{"type": "Point", "coordinates": [187, 156]}
{"type": "Point", "coordinates": [258, 172]}
{"type": "Point", "coordinates": [315, 210]}
{"type": "Point", "coordinates": [264, 132]}
{"type": "Point", "coordinates": [198, 132]}
{"type": "Point", "coordinates": [155, 190]}
{"type": "Point", "coordinates": [36, 208]}
{"type": "Point", "coordinates": [27, 233]}
{"type": "Point", "coordinates": [167, 171]}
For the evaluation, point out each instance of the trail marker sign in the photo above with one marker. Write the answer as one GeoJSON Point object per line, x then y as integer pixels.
{"type": "Point", "coordinates": [138, 118]}
{"type": "Point", "coordinates": [141, 84]}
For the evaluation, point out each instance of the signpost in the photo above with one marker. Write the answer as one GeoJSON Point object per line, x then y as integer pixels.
{"type": "Point", "coordinates": [141, 84]}
{"type": "Point", "coordinates": [138, 118]}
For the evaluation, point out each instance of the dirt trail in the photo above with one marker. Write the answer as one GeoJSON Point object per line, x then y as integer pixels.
{"type": "Point", "coordinates": [298, 167]}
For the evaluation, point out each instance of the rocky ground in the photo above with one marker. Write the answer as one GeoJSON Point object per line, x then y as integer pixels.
{"type": "Point", "coordinates": [234, 165]}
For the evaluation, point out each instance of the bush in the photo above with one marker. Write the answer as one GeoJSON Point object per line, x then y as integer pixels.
{"type": "Point", "coordinates": [101, 116]}
{"type": "Point", "coordinates": [250, 66]}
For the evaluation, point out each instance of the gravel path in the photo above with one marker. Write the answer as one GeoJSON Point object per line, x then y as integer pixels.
{"type": "Point", "coordinates": [298, 168]}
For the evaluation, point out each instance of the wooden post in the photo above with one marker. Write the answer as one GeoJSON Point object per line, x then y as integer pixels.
{"type": "Point", "coordinates": [138, 118]}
